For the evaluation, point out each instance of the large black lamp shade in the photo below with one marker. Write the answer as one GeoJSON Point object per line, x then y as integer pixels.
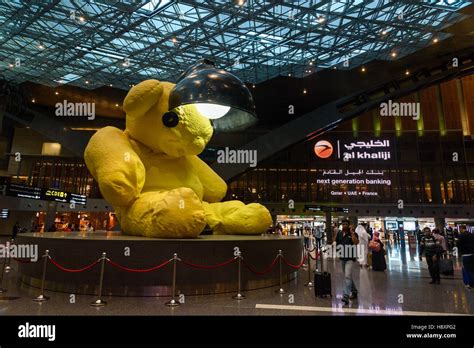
{"type": "Point", "coordinates": [218, 94]}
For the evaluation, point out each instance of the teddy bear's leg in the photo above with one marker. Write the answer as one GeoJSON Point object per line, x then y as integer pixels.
{"type": "Point", "coordinates": [176, 213]}
{"type": "Point", "coordinates": [235, 217]}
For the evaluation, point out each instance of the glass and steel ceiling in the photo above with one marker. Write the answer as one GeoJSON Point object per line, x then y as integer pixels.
{"type": "Point", "coordinates": [119, 43]}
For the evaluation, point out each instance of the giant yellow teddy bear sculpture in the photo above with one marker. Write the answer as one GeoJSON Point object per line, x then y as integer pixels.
{"type": "Point", "coordinates": [155, 181]}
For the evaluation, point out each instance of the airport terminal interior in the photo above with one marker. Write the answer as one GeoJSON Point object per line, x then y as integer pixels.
{"type": "Point", "coordinates": [237, 158]}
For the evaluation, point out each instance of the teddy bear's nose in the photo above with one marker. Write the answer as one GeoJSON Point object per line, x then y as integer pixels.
{"type": "Point", "coordinates": [170, 119]}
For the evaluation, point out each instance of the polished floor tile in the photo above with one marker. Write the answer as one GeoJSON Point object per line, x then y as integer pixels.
{"type": "Point", "coordinates": [401, 290]}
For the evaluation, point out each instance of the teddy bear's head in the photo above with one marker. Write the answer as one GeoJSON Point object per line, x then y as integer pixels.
{"type": "Point", "coordinates": [187, 132]}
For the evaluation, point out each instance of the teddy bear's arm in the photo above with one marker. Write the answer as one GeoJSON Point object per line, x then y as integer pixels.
{"type": "Point", "coordinates": [116, 167]}
{"type": "Point", "coordinates": [215, 188]}
{"type": "Point", "coordinates": [142, 97]}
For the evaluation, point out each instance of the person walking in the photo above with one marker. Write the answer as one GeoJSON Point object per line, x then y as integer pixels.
{"type": "Point", "coordinates": [437, 234]}
{"type": "Point", "coordinates": [450, 238]}
{"type": "Point", "coordinates": [90, 229]}
{"type": "Point", "coordinates": [363, 246]}
{"type": "Point", "coordinates": [378, 253]}
{"type": "Point", "coordinates": [319, 237]}
{"type": "Point", "coordinates": [346, 240]}
{"type": "Point", "coordinates": [466, 250]}
{"type": "Point", "coordinates": [431, 247]}
{"type": "Point", "coordinates": [306, 234]}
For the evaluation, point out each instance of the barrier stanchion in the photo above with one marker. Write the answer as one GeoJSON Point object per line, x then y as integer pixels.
{"type": "Point", "coordinates": [309, 284]}
{"type": "Point", "coordinates": [281, 291]}
{"type": "Point", "coordinates": [2, 290]}
{"type": "Point", "coordinates": [41, 297]}
{"type": "Point", "coordinates": [99, 302]}
{"type": "Point", "coordinates": [9, 268]}
{"type": "Point", "coordinates": [173, 302]}
{"type": "Point", "coordinates": [239, 295]}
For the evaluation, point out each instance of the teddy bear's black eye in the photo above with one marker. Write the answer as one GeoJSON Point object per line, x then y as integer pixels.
{"type": "Point", "coordinates": [170, 119]}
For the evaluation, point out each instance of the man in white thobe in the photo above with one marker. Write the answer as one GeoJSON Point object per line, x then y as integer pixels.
{"type": "Point", "coordinates": [363, 244]}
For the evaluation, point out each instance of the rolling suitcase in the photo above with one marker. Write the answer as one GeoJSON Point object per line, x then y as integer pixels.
{"type": "Point", "coordinates": [446, 266]}
{"type": "Point", "coordinates": [322, 280]}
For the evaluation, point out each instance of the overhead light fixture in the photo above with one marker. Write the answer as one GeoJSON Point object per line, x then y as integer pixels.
{"type": "Point", "coordinates": [435, 40]}
{"type": "Point", "coordinates": [110, 85]}
{"type": "Point", "coordinates": [304, 91]}
{"type": "Point", "coordinates": [10, 65]}
{"type": "Point", "coordinates": [174, 40]}
{"type": "Point", "coordinates": [82, 19]}
{"type": "Point", "coordinates": [384, 32]}
{"type": "Point", "coordinates": [116, 105]}
{"type": "Point", "coordinates": [87, 82]}
{"type": "Point", "coordinates": [321, 19]}
{"type": "Point", "coordinates": [393, 54]}
{"type": "Point", "coordinates": [219, 96]}
{"type": "Point", "coordinates": [57, 93]}
{"type": "Point", "coordinates": [33, 100]}
{"type": "Point", "coordinates": [407, 72]}
{"type": "Point", "coordinates": [289, 74]}
{"type": "Point", "coordinates": [363, 69]}
{"type": "Point", "coordinates": [41, 46]}
{"type": "Point", "coordinates": [310, 63]}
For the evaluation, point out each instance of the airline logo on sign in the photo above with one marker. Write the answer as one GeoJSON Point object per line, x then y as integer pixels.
{"type": "Point", "coordinates": [323, 149]}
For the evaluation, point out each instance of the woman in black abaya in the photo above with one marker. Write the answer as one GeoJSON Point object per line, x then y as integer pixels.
{"type": "Point", "coordinates": [378, 256]}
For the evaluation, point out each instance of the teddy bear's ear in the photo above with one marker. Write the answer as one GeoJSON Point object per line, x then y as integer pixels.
{"type": "Point", "coordinates": [142, 97]}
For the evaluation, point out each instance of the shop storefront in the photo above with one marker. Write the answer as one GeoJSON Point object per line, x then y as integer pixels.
{"type": "Point", "coordinates": [76, 221]}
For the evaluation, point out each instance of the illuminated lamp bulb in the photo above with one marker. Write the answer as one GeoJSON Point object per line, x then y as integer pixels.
{"type": "Point", "coordinates": [212, 111]}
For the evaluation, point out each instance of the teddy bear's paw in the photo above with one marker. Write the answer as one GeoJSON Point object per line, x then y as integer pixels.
{"type": "Point", "coordinates": [237, 218]}
{"type": "Point", "coordinates": [176, 213]}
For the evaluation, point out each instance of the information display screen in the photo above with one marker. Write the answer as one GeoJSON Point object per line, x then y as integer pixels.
{"type": "Point", "coordinates": [23, 191]}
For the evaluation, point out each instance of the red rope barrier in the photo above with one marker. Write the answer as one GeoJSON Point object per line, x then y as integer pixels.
{"type": "Point", "coordinates": [295, 266]}
{"type": "Point", "coordinates": [225, 263]}
{"type": "Point", "coordinates": [64, 269]}
{"type": "Point", "coordinates": [138, 270]}
{"type": "Point", "coordinates": [268, 269]}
